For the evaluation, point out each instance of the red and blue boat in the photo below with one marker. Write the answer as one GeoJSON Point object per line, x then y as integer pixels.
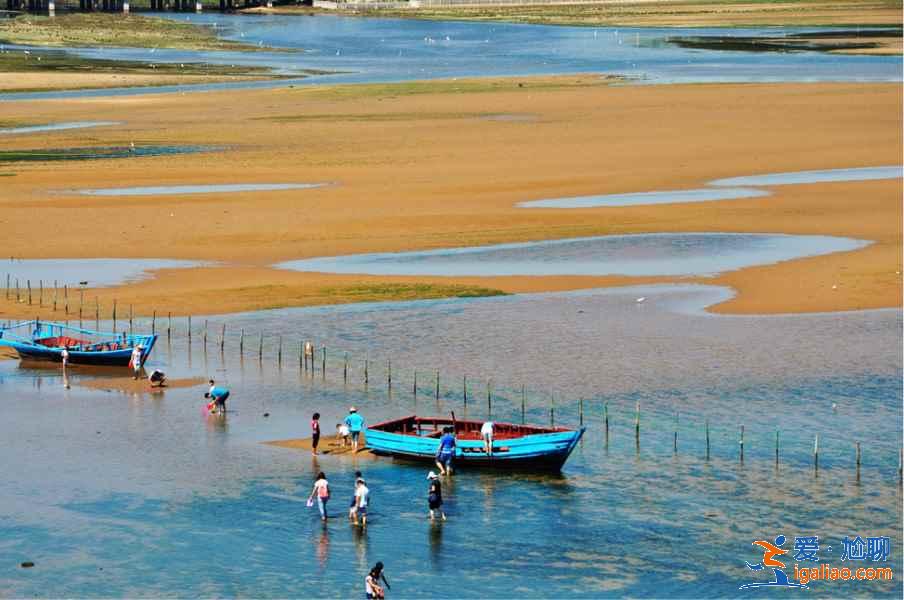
{"type": "Point", "coordinates": [519, 447]}
{"type": "Point", "coordinates": [45, 341]}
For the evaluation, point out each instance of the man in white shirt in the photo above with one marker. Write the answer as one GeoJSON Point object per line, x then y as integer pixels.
{"type": "Point", "coordinates": [136, 361]}
{"type": "Point", "coordinates": [486, 430]}
{"type": "Point", "coordinates": [362, 497]}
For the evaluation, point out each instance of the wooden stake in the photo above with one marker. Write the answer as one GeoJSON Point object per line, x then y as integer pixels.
{"type": "Point", "coordinates": [675, 444]}
{"type": "Point", "coordinates": [223, 339]}
{"type": "Point", "coordinates": [41, 293]}
{"type": "Point", "coordinates": [96, 312]}
{"type": "Point", "coordinates": [464, 388]}
{"type": "Point", "coordinates": [414, 387]}
{"type": "Point", "coordinates": [153, 322]}
{"type": "Point", "coordinates": [816, 453]}
{"type": "Point", "coordinates": [345, 369]}
{"type": "Point", "coordinates": [204, 335]}
{"type": "Point", "coordinates": [65, 297]}
{"type": "Point", "coordinates": [279, 353]}
{"type": "Point", "coordinates": [169, 325]}
{"type": "Point", "coordinates": [323, 363]}
{"type": "Point", "coordinates": [28, 283]}
{"type": "Point", "coordinates": [130, 319]}
{"type": "Point", "coordinates": [776, 448]}
{"type": "Point", "coordinates": [522, 404]}
{"type": "Point", "coordinates": [742, 443]}
{"type": "Point", "coordinates": [7, 286]}
{"type": "Point", "coordinates": [114, 317]}
{"type": "Point", "coordinates": [637, 424]}
{"type": "Point", "coordinates": [606, 421]}
{"type": "Point", "coordinates": [437, 385]}
{"type": "Point", "coordinates": [366, 376]}
{"type": "Point", "coordinates": [857, 458]}
{"type": "Point", "coordinates": [242, 342]}
{"type": "Point", "coordinates": [489, 398]}
{"type": "Point", "coordinates": [552, 411]}
{"type": "Point", "coordinates": [17, 290]}
{"type": "Point", "coordinates": [581, 411]}
{"type": "Point", "coordinates": [707, 438]}
{"type": "Point", "coordinates": [260, 348]}
{"type": "Point", "coordinates": [54, 292]}
{"type": "Point", "coordinates": [389, 373]}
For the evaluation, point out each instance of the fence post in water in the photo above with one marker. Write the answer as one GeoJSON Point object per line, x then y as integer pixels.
{"type": "Point", "coordinates": [522, 404]}
{"type": "Point", "coordinates": [223, 339]}
{"type": "Point", "coordinates": [242, 342]}
{"type": "Point", "coordinates": [153, 322]}
{"type": "Point", "coordinates": [816, 453]}
{"type": "Point", "coordinates": [581, 411]}
{"type": "Point", "coordinates": [260, 348]}
{"type": "Point", "coordinates": [28, 283]}
{"type": "Point", "coordinates": [41, 293]}
{"type": "Point", "coordinates": [464, 388]}
{"type": "Point", "coordinates": [7, 286]}
{"type": "Point", "coordinates": [366, 375]}
{"type": "Point", "coordinates": [675, 445]}
{"type": "Point", "coordinates": [204, 336]}
{"type": "Point", "coordinates": [776, 448]}
{"type": "Point", "coordinates": [437, 385]}
{"type": "Point", "coordinates": [742, 443]}
{"type": "Point", "coordinates": [706, 427]}
{"type": "Point", "coordinates": [323, 363]}
{"type": "Point", "coordinates": [54, 292]}
{"type": "Point", "coordinates": [65, 297]}
{"type": "Point", "coordinates": [130, 319]}
{"type": "Point", "coordinates": [552, 411]}
{"type": "Point", "coordinates": [489, 398]}
{"type": "Point", "coordinates": [606, 421]}
{"type": "Point", "coordinates": [901, 467]}
{"type": "Point", "coordinates": [414, 386]}
{"type": "Point", "coordinates": [858, 461]}
{"type": "Point", "coordinates": [279, 353]}
{"type": "Point", "coordinates": [345, 369]}
{"type": "Point", "coordinates": [114, 319]}
{"type": "Point", "coordinates": [637, 424]}
{"type": "Point", "coordinates": [389, 373]}
{"type": "Point", "coordinates": [17, 290]}
{"type": "Point", "coordinates": [169, 325]}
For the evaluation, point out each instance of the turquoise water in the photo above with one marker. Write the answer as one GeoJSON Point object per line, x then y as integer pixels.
{"type": "Point", "coordinates": [219, 188]}
{"type": "Point", "coordinates": [112, 494]}
{"type": "Point", "coordinates": [97, 272]}
{"type": "Point", "coordinates": [359, 50]}
{"type": "Point", "coordinates": [636, 254]}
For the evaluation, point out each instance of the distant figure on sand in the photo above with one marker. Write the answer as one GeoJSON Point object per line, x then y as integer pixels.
{"type": "Point", "coordinates": [446, 451]}
{"type": "Point", "coordinates": [372, 587]}
{"type": "Point", "coordinates": [315, 432]}
{"type": "Point", "coordinates": [486, 431]}
{"type": "Point", "coordinates": [435, 496]}
{"type": "Point", "coordinates": [157, 378]}
{"type": "Point", "coordinates": [218, 396]}
{"type": "Point", "coordinates": [362, 497]}
{"type": "Point", "coordinates": [355, 424]}
{"type": "Point", "coordinates": [322, 492]}
{"type": "Point", "coordinates": [342, 434]}
{"type": "Point", "coordinates": [135, 361]}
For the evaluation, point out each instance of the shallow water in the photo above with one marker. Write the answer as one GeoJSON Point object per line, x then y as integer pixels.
{"type": "Point", "coordinates": [645, 198]}
{"type": "Point", "coordinates": [97, 272]}
{"type": "Point", "coordinates": [382, 50]}
{"type": "Point", "coordinates": [119, 495]}
{"type": "Point", "coordinates": [56, 127]}
{"type": "Point", "coordinates": [822, 176]}
{"type": "Point", "coordinates": [96, 153]}
{"type": "Point", "coordinates": [219, 188]}
{"type": "Point", "coordinates": [724, 188]}
{"type": "Point", "coordinates": [636, 255]}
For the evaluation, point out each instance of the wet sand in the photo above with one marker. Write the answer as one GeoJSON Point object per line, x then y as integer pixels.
{"type": "Point", "coordinates": [328, 446]}
{"type": "Point", "coordinates": [419, 166]}
{"type": "Point", "coordinates": [132, 386]}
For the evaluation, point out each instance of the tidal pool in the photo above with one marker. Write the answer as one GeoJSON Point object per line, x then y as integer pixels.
{"type": "Point", "coordinates": [113, 494]}
{"type": "Point", "coordinates": [165, 190]}
{"type": "Point", "coordinates": [723, 189]}
{"type": "Point", "coordinates": [97, 272]}
{"type": "Point", "coordinates": [95, 153]}
{"type": "Point", "coordinates": [56, 127]}
{"type": "Point", "coordinates": [634, 255]}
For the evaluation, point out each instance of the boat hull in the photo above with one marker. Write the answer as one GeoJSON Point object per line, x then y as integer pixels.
{"type": "Point", "coordinates": [537, 452]}
{"type": "Point", "coordinates": [44, 342]}
{"type": "Point", "coordinates": [114, 358]}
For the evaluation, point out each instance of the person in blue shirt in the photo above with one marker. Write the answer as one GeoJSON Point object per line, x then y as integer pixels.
{"type": "Point", "coordinates": [355, 423]}
{"type": "Point", "coordinates": [218, 396]}
{"type": "Point", "coordinates": [446, 451]}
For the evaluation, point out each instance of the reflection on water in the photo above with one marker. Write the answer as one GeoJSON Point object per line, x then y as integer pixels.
{"type": "Point", "coordinates": [89, 477]}
{"type": "Point", "coordinates": [97, 272]}
{"type": "Point", "coordinates": [165, 190]}
{"type": "Point", "coordinates": [55, 127]}
{"type": "Point", "coordinates": [639, 254]}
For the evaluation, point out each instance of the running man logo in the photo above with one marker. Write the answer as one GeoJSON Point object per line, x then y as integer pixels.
{"type": "Point", "coordinates": [770, 551]}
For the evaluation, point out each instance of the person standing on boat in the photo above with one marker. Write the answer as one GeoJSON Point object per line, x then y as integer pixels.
{"type": "Point", "coordinates": [135, 361]}
{"type": "Point", "coordinates": [435, 496]}
{"type": "Point", "coordinates": [446, 451]}
{"type": "Point", "coordinates": [322, 492]}
{"type": "Point", "coordinates": [486, 431]}
{"type": "Point", "coordinates": [218, 395]}
{"type": "Point", "coordinates": [355, 424]}
{"type": "Point", "coordinates": [315, 432]}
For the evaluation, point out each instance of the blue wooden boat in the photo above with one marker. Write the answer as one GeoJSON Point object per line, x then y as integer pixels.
{"type": "Point", "coordinates": [524, 447]}
{"type": "Point", "coordinates": [44, 341]}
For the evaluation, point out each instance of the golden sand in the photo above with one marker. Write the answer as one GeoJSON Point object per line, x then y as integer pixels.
{"type": "Point", "coordinates": [328, 446]}
{"type": "Point", "coordinates": [431, 165]}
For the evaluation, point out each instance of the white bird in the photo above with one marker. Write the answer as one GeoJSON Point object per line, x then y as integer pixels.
{"type": "Point", "coordinates": [834, 287]}
{"type": "Point", "coordinates": [641, 299]}
{"type": "Point", "coordinates": [172, 214]}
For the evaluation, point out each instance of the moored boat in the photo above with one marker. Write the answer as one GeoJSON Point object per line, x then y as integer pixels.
{"type": "Point", "coordinates": [524, 447]}
{"type": "Point", "coordinates": [45, 341]}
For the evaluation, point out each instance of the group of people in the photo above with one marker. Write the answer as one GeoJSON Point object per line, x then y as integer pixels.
{"type": "Point", "coordinates": [445, 453]}
{"type": "Point", "coordinates": [357, 508]}
{"type": "Point", "coordinates": [347, 432]}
